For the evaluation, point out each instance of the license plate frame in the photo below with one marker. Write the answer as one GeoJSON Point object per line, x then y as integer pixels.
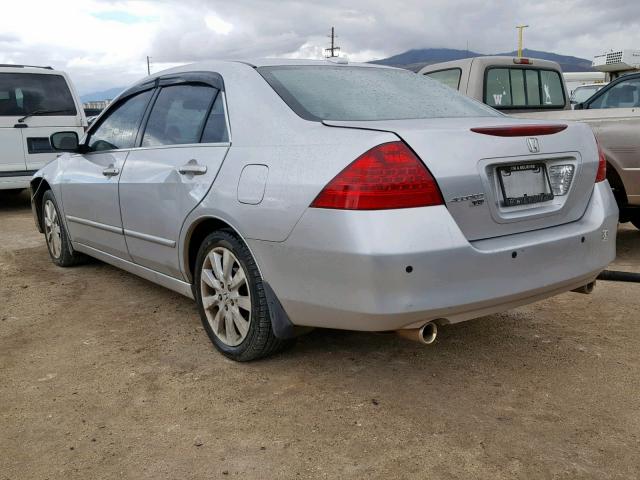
{"type": "Point", "coordinates": [527, 198]}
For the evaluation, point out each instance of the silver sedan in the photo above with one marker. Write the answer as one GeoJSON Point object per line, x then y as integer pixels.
{"type": "Point", "coordinates": [283, 195]}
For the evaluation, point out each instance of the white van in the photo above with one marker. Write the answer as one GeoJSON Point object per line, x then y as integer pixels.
{"type": "Point", "coordinates": [34, 103]}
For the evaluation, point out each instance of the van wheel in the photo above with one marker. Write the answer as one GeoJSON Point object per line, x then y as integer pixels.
{"type": "Point", "coordinates": [55, 235]}
{"type": "Point", "coordinates": [231, 299]}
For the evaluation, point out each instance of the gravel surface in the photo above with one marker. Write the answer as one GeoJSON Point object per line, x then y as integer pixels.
{"type": "Point", "coordinates": [105, 375]}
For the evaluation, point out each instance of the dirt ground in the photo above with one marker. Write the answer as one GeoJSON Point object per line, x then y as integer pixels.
{"type": "Point", "coordinates": [104, 375]}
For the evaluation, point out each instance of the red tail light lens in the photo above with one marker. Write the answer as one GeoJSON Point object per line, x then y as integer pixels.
{"type": "Point", "coordinates": [520, 130]}
{"type": "Point", "coordinates": [385, 177]}
{"type": "Point", "coordinates": [601, 176]}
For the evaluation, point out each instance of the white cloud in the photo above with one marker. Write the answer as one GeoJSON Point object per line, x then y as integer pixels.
{"type": "Point", "coordinates": [104, 43]}
{"type": "Point", "coordinates": [217, 24]}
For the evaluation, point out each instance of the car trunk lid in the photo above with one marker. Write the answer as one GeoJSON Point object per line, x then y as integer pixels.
{"type": "Point", "coordinates": [489, 183]}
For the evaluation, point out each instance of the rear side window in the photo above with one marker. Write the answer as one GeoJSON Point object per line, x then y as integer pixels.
{"type": "Point", "coordinates": [120, 126]}
{"type": "Point", "coordinates": [24, 93]}
{"type": "Point", "coordinates": [178, 115]}
{"type": "Point", "coordinates": [366, 93]}
{"type": "Point", "coordinates": [523, 88]}
{"type": "Point", "coordinates": [450, 78]}
{"type": "Point", "coordinates": [625, 94]}
{"type": "Point", "coordinates": [215, 131]}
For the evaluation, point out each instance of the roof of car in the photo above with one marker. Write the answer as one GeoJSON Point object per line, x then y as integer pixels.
{"type": "Point", "coordinates": [264, 62]}
{"type": "Point", "coordinates": [11, 68]}
{"type": "Point", "coordinates": [490, 61]}
{"type": "Point", "coordinates": [272, 62]}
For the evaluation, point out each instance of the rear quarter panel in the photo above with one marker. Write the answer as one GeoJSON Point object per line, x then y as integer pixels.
{"type": "Point", "coordinates": [301, 157]}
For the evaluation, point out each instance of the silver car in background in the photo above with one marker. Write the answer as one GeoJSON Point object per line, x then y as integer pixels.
{"type": "Point", "coordinates": [286, 194]}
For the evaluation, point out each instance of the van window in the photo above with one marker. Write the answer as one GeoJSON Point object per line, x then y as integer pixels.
{"type": "Point", "coordinates": [178, 115]}
{"type": "Point", "coordinates": [523, 88]}
{"type": "Point", "coordinates": [24, 93]}
{"type": "Point", "coordinates": [120, 125]}
{"type": "Point", "coordinates": [450, 77]}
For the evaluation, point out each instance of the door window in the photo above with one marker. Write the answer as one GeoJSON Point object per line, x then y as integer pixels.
{"type": "Point", "coordinates": [215, 131]}
{"type": "Point", "coordinates": [625, 94]}
{"type": "Point", "coordinates": [120, 127]}
{"type": "Point", "coordinates": [178, 115]}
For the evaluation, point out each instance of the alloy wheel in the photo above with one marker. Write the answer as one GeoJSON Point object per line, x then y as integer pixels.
{"type": "Point", "coordinates": [52, 230]}
{"type": "Point", "coordinates": [225, 296]}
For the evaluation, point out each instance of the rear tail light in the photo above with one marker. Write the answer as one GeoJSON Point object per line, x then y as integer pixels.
{"type": "Point", "coordinates": [601, 176]}
{"type": "Point", "coordinates": [520, 130]}
{"type": "Point", "coordinates": [385, 177]}
{"type": "Point", "coordinates": [522, 61]}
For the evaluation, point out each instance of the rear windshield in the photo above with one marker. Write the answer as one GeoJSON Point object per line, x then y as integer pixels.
{"type": "Point", "coordinates": [523, 88]}
{"type": "Point", "coordinates": [24, 93]}
{"type": "Point", "coordinates": [367, 93]}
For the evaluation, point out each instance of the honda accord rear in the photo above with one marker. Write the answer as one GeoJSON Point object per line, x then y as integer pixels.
{"type": "Point", "coordinates": [454, 213]}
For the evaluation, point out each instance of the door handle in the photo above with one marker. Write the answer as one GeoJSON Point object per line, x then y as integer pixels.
{"type": "Point", "coordinates": [110, 171]}
{"type": "Point", "coordinates": [192, 168]}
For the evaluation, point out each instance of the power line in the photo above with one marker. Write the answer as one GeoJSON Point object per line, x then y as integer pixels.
{"type": "Point", "coordinates": [331, 52]}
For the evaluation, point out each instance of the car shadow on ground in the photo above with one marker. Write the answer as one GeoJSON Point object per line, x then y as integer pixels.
{"type": "Point", "coordinates": [14, 201]}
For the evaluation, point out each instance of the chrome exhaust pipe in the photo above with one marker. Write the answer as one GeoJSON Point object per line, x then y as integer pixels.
{"type": "Point", "coordinates": [426, 334]}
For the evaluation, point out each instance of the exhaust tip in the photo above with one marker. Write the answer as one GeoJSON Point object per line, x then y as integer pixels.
{"type": "Point", "coordinates": [428, 333]}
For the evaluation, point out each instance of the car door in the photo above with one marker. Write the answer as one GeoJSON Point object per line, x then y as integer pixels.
{"type": "Point", "coordinates": [12, 161]}
{"type": "Point", "coordinates": [618, 132]}
{"type": "Point", "coordinates": [181, 150]}
{"type": "Point", "coordinates": [53, 108]}
{"type": "Point", "coordinates": [90, 180]}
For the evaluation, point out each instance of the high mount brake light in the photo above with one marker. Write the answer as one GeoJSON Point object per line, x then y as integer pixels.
{"type": "Point", "coordinates": [386, 177]}
{"type": "Point", "coordinates": [520, 130]}
{"type": "Point", "coordinates": [522, 61]}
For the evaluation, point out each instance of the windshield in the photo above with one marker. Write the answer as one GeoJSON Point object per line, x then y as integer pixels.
{"type": "Point", "coordinates": [24, 93]}
{"type": "Point", "coordinates": [522, 88]}
{"type": "Point", "coordinates": [367, 93]}
{"type": "Point", "coordinates": [581, 94]}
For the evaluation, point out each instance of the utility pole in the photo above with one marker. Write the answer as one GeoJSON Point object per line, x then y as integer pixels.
{"type": "Point", "coordinates": [148, 65]}
{"type": "Point", "coordinates": [331, 51]}
{"type": "Point", "coordinates": [520, 28]}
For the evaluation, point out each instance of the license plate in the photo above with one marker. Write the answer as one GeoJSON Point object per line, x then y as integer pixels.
{"type": "Point", "coordinates": [524, 184]}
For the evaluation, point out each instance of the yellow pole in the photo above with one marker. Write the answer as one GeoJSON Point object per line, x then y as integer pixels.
{"type": "Point", "coordinates": [520, 28]}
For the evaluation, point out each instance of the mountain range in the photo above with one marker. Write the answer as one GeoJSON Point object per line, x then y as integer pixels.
{"type": "Point", "coordinates": [104, 95]}
{"type": "Point", "coordinates": [418, 58]}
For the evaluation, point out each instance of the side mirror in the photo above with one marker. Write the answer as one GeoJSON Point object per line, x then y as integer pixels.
{"type": "Point", "coordinates": [65, 141]}
{"type": "Point", "coordinates": [579, 106]}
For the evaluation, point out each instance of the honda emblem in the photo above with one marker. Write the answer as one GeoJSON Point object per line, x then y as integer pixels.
{"type": "Point", "coordinates": [532, 143]}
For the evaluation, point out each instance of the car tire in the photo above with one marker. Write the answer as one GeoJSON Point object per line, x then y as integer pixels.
{"type": "Point", "coordinates": [55, 234]}
{"type": "Point", "coordinates": [231, 299]}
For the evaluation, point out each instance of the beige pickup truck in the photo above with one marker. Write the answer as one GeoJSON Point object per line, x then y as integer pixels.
{"type": "Point", "coordinates": [534, 88]}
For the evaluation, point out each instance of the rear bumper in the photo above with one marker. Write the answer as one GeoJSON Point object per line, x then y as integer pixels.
{"type": "Point", "coordinates": [350, 270]}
